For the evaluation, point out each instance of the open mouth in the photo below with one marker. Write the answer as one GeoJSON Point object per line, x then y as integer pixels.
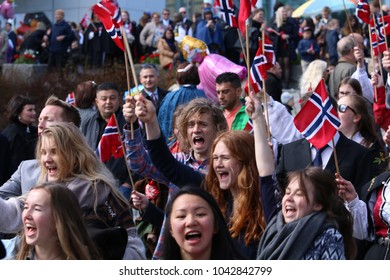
{"type": "Point", "coordinates": [51, 170]}
{"type": "Point", "coordinates": [198, 140]}
{"type": "Point", "coordinates": [30, 230]}
{"type": "Point", "coordinates": [193, 236]}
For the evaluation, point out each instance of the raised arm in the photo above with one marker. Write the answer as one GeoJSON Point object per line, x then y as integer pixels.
{"type": "Point", "coordinates": [264, 157]}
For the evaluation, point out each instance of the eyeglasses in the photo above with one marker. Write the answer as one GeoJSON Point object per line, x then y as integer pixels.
{"type": "Point", "coordinates": [183, 12]}
{"type": "Point", "coordinates": [342, 108]}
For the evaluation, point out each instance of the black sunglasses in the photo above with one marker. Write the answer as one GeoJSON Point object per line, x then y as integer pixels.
{"type": "Point", "coordinates": [342, 108]}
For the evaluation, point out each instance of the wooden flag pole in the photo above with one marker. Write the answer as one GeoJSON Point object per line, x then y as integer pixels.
{"type": "Point", "coordinates": [129, 58]}
{"type": "Point", "coordinates": [265, 92]}
{"type": "Point", "coordinates": [247, 56]}
{"type": "Point", "coordinates": [124, 152]}
{"type": "Point", "coordinates": [241, 43]}
{"type": "Point", "coordinates": [373, 59]}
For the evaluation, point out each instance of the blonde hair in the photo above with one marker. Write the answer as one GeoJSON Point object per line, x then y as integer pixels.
{"type": "Point", "coordinates": [77, 160]}
{"type": "Point", "coordinates": [312, 76]}
{"type": "Point", "coordinates": [279, 16]}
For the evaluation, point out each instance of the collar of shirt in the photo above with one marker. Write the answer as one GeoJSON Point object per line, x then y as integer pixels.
{"type": "Point", "coordinates": [150, 94]}
{"type": "Point", "coordinates": [327, 153]}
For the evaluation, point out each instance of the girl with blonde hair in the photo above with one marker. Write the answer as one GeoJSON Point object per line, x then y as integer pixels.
{"type": "Point", "coordinates": [65, 157]}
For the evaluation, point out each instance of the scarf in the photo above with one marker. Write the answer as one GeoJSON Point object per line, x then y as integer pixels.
{"type": "Point", "coordinates": [290, 241]}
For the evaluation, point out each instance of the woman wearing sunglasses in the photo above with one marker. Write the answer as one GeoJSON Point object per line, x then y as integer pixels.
{"type": "Point", "coordinates": [358, 125]}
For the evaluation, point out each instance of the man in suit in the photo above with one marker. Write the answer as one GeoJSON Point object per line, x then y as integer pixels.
{"type": "Point", "coordinates": [149, 77]}
{"type": "Point", "coordinates": [186, 22]}
{"type": "Point", "coordinates": [166, 21]}
{"type": "Point", "coordinates": [12, 42]}
{"type": "Point", "coordinates": [354, 160]}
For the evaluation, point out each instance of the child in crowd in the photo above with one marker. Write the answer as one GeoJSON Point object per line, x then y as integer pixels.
{"type": "Point", "coordinates": [307, 48]}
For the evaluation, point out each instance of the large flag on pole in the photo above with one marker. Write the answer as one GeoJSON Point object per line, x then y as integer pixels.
{"type": "Point", "coordinates": [318, 120]}
{"type": "Point", "coordinates": [226, 11]}
{"type": "Point", "coordinates": [109, 14]}
{"type": "Point", "coordinates": [243, 15]}
{"type": "Point", "coordinates": [110, 144]}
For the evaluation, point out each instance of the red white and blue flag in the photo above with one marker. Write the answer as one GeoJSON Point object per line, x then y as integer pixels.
{"type": "Point", "coordinates": [109, 14]}
{"type": "Point", "coordinates": [261, 64]}
{"type": "Point", "coordinates": [110, 144]}
{"type": "Point", "coordinates": [363, 11]}
{"type": "Point", "coordinates": [85, 21]}
{"type": "Point", "coordinates": [269, 52]}
{"type": "Point", "coordinates": [318, 120]}
{"type": "Point", "coordinates": [226, 11]}
{"type": "Point", "coordinates": [71, 99]}
{"type": "Point", "coordinates": [378, 33]}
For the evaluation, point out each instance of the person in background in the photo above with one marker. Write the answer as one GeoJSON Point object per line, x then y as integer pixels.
{"type": "Point", "coordinates": [307, 48]}
{"type": "Point", "coordinates": [85, 97]}
{"type": "Point", "coordinates": [193, 214]}
{"type": "Point", "coordinates": [151, 33]}
{"type": "Point", "coordinates": [59, 38]}
{"type": "Point", "coordinates": [166, 21]}
{"type": "Point", "coordinates": [3, 45]}
{"type": "Point", "coordinates": [209, 31]}
{"type": "Point", "coordinates": [274, 82]}
{"type": "Point", "coordinates": [12, 42]}
{"type": "Point", "coordinates": [285, 41]}
{"type": "Point", "coordinates": [188, 78]}
{"type": "Point", "coordinates": [53, 226]}
{"type": "Point", "coordinates": [168, 49]}
{"type": "Point", "coordinates": [228, 88]}
{"type": "Point", "coordinates": [331, 38]}
{"type": "Point", "coordinates": [288, 101]}
{"type": "Point", "coordinates": [22, 134]}
{"type": "Point", "coordinates": [132, 35]}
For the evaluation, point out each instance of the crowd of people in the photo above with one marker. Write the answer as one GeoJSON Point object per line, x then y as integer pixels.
{"type": "Point", "coordinates": [200, 178]}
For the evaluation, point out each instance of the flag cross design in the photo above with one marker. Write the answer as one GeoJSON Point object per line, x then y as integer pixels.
{"type": "Point", "coordinates": [323, 114]}
{"type": "Point", "coordinates": [380, 28]}
{"type": "Point", "coordinates": [256, 68]}
{"type": "Point", "coordinates": [318, 120]}
{"type": "Point", "coordinates": [227, 12]}
{"type": "Point", "coordinates": [110, 143]}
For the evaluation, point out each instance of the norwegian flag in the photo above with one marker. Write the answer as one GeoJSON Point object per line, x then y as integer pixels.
{"type": "Point", "coordinates": [85, 21]}
{"type": "Point", "coordinates": [244, 13]}
{"type": "Point", "coordinates": [269, 51]}
{"type": "Point", "coordinates": [363, 11]}
{"type": "Point", "coordinates": [226, 11]}
{"type": "Point", "coordinates": [318, 120]}
{"type": "Point", "coordinates": [109, 14]}
{"type": "Point", "coordinates": [378, 33]}
{"type": "Point", "coordinates": [71, 99]}
{"type": "Point", "coordinates": [110, 144]}
{"type": "Point", "coordinates": [261, 64]}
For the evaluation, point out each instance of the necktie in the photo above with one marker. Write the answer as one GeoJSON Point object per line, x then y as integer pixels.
{"type": "Point", "coordinates": [318, 158]}
{"type": "Point", "coordinates": [155, 98]}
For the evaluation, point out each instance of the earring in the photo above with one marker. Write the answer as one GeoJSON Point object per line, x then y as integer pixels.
{"type": "Point", "coordinates": [19, 118]}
